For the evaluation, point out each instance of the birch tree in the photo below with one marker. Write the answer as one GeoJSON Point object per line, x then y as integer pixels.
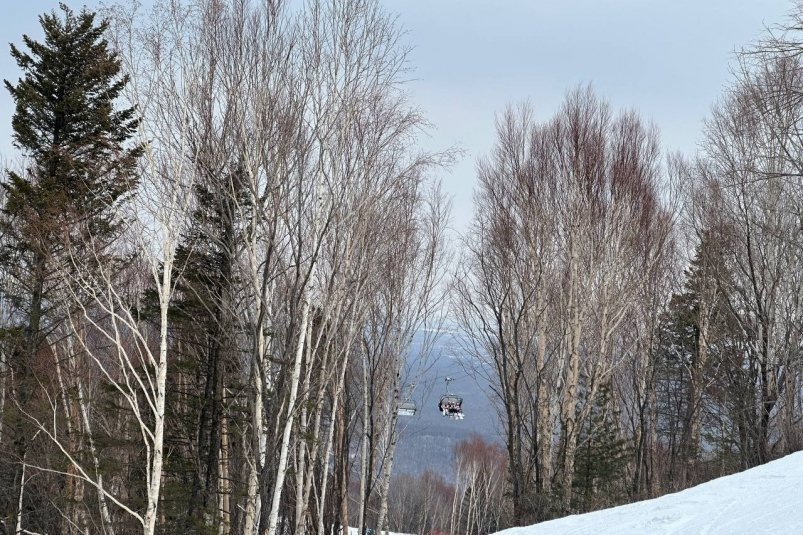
{"type": "Point", "coordinates": [569, 229]}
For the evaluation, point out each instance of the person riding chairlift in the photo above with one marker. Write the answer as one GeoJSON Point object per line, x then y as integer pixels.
{"type": "Point", "coordinates": [448, 408]}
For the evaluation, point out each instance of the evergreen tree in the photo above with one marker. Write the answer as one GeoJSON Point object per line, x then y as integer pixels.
{"type": "Point", "coordinates": [205, 374]}
{"type": "Point", "coordinates": [80, 167]}
{"type": "Point", "coordinates": [702, 388]}
{"type": "Point", "coordinates": [603, 457]}
{"type": "Point", "coordinates": [678, 345]}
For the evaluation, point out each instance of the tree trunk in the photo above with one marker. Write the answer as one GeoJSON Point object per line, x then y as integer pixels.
{"type": "Point", "coordinates": [281, 470]}
{"type": "Point", "coordinates": [387, 466]}
{"type": "Point", "coordinates": [157, 456]}
{"type": "Point", "coordinates": [569, 405]}
{"type": "Point", "coordinates": [224, 485]}
{"type": "Point", "coordinates": [544, 411]}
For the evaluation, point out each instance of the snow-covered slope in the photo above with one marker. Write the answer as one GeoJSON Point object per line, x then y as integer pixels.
{"type": "Point", "coordinates": [764, 500]}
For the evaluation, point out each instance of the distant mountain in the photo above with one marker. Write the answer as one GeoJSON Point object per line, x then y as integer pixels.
{"type": "Point", "coordinates": [428, 439]}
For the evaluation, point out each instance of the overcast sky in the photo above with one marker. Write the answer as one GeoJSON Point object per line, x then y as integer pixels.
{"type": "Point", "coordinates": [667, 58]}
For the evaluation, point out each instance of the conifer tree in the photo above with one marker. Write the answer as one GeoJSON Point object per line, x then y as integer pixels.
{"type": "Point", "coordinates": [603, 457]}
{"type": "Point", "coordinates": [80, 166]}
{"type": "Point", "coordinates": [205, 374]}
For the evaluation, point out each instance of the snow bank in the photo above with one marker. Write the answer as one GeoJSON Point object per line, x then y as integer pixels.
{"type": "Point", "coordinates": [766, 499]}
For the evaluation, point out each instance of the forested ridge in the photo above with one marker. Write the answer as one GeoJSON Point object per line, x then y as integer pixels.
{"type": "Point", "coordinates": [225, 265]}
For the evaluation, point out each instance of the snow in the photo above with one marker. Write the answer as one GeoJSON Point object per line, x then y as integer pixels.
{"type": "Point", "coordinates": [765, 499]}
{"type": "Point", "coordinates": [355, 531]}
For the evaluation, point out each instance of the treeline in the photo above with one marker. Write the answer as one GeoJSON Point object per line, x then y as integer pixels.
{"type": "Point", "coordinates": [475, 501]}
{"type": "Point", "coordinates": [640, 315]}
{"type": "Point", "coordinates": [215, 256]}
{"type": "Point", "coordinates": [223, 238]}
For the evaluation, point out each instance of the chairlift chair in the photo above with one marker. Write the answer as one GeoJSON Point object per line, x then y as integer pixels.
{"type": "Point", "coordinates": [408, 408]}
{"type": "Point", "coordinates": [451, 405]}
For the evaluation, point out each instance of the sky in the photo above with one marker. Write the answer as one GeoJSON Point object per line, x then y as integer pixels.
{"type": "Point", "coordinates": [470, 58]}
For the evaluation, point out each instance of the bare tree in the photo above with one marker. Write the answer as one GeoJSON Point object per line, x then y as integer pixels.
{"type": "Point", "coordinates": [569, 228]}
{"type": "Point", "coordinates": [480, 488]}
{"type": "Point", "coordinates": [751, 186]}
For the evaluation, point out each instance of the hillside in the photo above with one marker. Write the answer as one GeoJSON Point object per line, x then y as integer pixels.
{"type": "Point", "coordinates": [427, 440]}
{"type": "Point", "coordinates": [765, 499]}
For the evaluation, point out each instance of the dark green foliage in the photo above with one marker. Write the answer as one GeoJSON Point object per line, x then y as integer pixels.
{"type": "Point", "coordinates": [679, 367]}
{"type": "Point", "coordinates": [602, 456]}
{"type": "Point", "coordinates": [678, 344]}
{"type": "Point", "coordinates": [65, 119]}
{"type": "Point", "coordinates": [725, 401]}
{"type": "Point", "coordinates": [204, 373]}
{"type": "Point", "coordinates": [81, 165]}
{"type": "Point", "coordinates": [59, 212]}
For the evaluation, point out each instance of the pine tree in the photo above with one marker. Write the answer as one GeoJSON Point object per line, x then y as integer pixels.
{"type": "Point", "coordinates": [702, 350]}
{"type": "Point", "coordinates": [603, 457]}
{"type": "Point", "coordinates": [80, 167]}
{"type": "Point", "coordinates": [205, 371]}
{"type": "Point", "coordinates": [678, 346]}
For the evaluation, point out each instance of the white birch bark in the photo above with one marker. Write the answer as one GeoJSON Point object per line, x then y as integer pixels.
{"type": "Point", "coordinates": [281, 469]}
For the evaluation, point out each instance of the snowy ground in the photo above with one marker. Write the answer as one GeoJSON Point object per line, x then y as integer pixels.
{"type": "Point", "coordinates": [767, 499]}
{"type": "Point", "coordinates": [355, 531]}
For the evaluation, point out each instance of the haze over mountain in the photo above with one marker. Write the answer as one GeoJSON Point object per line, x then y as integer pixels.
{"type": "Point", "coordinates": [428, 439]}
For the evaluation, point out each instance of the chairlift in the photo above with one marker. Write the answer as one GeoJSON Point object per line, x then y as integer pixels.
{"type": "Point", "coordinates": [408, 408]}
{"type": "Point", "coordinates": [451, 405]}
